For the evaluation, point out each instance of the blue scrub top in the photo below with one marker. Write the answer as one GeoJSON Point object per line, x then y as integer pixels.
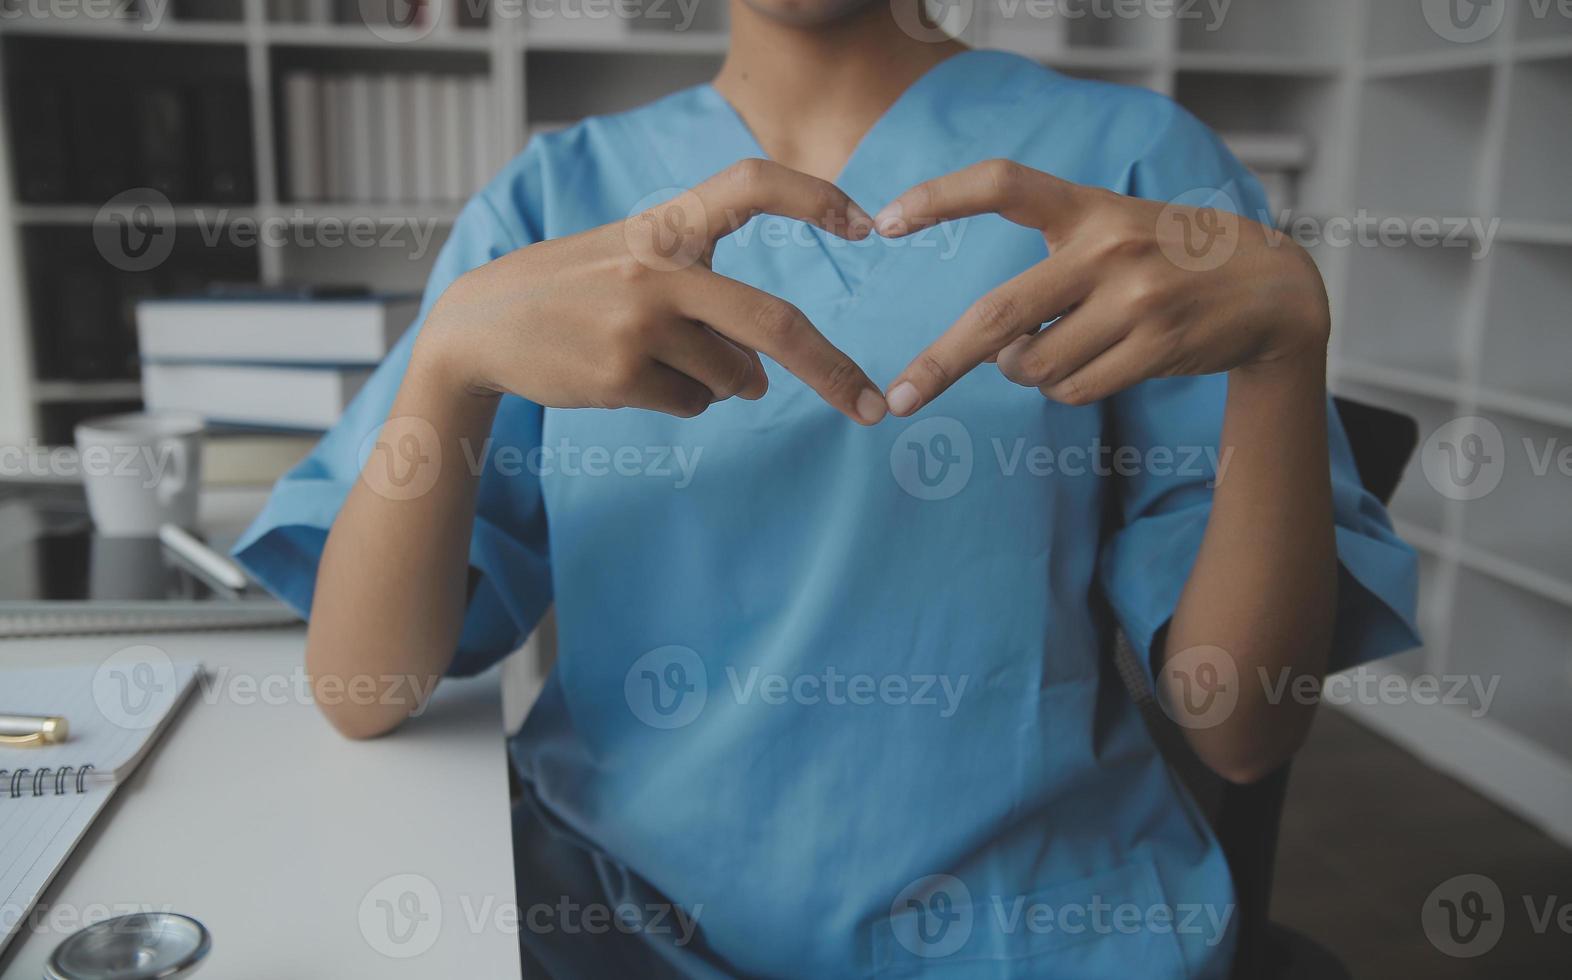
{"type": "Point", "coordinates": [842, 694]}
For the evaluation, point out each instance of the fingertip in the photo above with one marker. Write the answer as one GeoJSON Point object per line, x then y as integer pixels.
{"type": "Point", "coordinates": [891, 221]}
{"type": "Point", "coordinates": [903, 399]}
{"type": "Point", "coordinates": [859, 224]}
{"type": "Point", "coordinates": [871, 408]}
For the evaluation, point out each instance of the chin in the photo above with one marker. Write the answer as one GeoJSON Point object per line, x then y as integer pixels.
{"type": "Point", "coordinates": [809, 13]}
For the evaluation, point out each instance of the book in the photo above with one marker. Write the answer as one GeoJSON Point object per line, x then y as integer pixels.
{"type": "Point", "coordinates": [360, 175]}
{"type": "Point", "coordinates": [354, 330]}
{"type": "Point", "coordinates": [116, 713]}
{"type": "Point", "coordinates": [334, 130]}
{"type": "Point", "coordinates": [164, 141]}
{"type": "Point", "coordinates": [305, 397]}
{"type": "Point", "coordinates": [453, 144]}
{"type": "Point", "coordinates": [391, 153]}
{"type": "Point", "coordinates": [482, 156]}
{"type": "Point", "coordinates": [39, 110]}
{"type": "Point", "coordinates": [223, 140]}
{"type": "Point", "coordinates": [424, 112]}
{"type": "Point", "coordinates": [251, 457]}
{"type": "Point", "coordinates": [303, 127]}
{"type": "Point", "coordinates": [101, 140]}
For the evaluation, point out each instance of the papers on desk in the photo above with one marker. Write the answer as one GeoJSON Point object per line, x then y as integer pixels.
{"type": "Point", "coordinates": [50, 796]}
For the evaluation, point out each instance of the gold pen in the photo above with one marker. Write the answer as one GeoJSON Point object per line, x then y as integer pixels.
{"type": "Point", "coordinates": [24, 731]}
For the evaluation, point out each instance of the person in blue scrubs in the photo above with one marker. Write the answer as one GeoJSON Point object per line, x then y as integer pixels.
{"type": "Point", "coordinates": [752, 385]}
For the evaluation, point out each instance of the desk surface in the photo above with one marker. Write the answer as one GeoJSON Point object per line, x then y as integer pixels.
{"type": "Point", "coordinates": [306, 855]}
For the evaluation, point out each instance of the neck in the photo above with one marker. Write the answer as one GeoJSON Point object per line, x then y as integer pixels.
{"type": "Point", "coordinates": [810, 93]}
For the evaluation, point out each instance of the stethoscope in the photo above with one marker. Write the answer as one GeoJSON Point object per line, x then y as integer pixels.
{"type": "Point", "coordinates": [144, 946]}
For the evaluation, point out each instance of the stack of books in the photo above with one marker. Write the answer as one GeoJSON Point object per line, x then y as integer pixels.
{"type": "Point", "coordinates": [410, 138]}
{"type": "Point", "coordinates": [268, 370]}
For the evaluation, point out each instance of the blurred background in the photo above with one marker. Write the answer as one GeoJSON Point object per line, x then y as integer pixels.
{"type": "Point", "coordinates": [266, 157]}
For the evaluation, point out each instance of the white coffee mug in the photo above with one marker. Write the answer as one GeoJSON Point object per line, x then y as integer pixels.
{"type": "Point", "coordinates": [141, 471]}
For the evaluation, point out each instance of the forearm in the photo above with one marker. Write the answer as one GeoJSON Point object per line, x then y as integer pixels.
{"type": "Point", "coordinates": [1264, 585]}
{"type": "Point", "coordinates": [391, 587]}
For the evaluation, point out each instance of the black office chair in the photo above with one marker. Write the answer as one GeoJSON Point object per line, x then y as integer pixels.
{"type": "Point", "coordinates": [1246, 818]}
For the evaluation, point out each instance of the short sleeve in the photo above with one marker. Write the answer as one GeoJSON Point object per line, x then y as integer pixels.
{"type": "Point", "coordinates": [283, 547]}
{"type": "Point", "coordinates": [1144, 563]}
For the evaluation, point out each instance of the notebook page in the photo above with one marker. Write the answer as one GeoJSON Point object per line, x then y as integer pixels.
{"type": "Point", "coordinates": [113, 710]}
{"type": "Point", "coordinates": [36, 838]}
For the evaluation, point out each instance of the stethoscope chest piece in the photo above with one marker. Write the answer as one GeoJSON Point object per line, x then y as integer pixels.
{"type": "Point", "coordinates": [144, 946]}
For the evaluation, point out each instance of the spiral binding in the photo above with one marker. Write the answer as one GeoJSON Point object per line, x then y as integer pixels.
{"type": "Point", "coordinates": [16, 783]}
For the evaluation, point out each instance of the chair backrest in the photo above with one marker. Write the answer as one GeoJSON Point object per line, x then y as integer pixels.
{"type": "Point", "coordinates": [1246, 818]}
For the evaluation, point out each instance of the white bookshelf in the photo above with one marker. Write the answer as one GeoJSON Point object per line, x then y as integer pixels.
{"type": "Point", "coordinates": [1404, 124]}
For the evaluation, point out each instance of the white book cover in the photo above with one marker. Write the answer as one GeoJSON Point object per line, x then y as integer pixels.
{"type": "Point", "coordinates": [303, 135]}
{"type": "Point", "coordinates": [291, 397]}
{"type": "Point", "coordinates": [483, 132]}
{"type": "Point", "coordinates": [423, 137]}
{"type": "Point", "coordinates": [334, 138]}
{"type": "Point", "coordinates": [452, 142]}
{"type": "Point", "coordinates": [329, 331]}
{"type": "Point", "coordinates": [361, 175]}
{"type": "Point", "coordinates": [391, 156]}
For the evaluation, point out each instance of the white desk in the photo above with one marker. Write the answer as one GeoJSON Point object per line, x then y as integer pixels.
{"type": "Point", "coordinates": [282, 837]}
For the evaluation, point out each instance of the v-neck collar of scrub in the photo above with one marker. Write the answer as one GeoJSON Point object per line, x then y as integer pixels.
{"type": "Point", "coordinates": [938, 124]}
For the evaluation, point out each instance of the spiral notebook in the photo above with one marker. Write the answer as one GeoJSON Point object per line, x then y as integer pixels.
{"type": "Point", "coordinates": [50, 796]}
